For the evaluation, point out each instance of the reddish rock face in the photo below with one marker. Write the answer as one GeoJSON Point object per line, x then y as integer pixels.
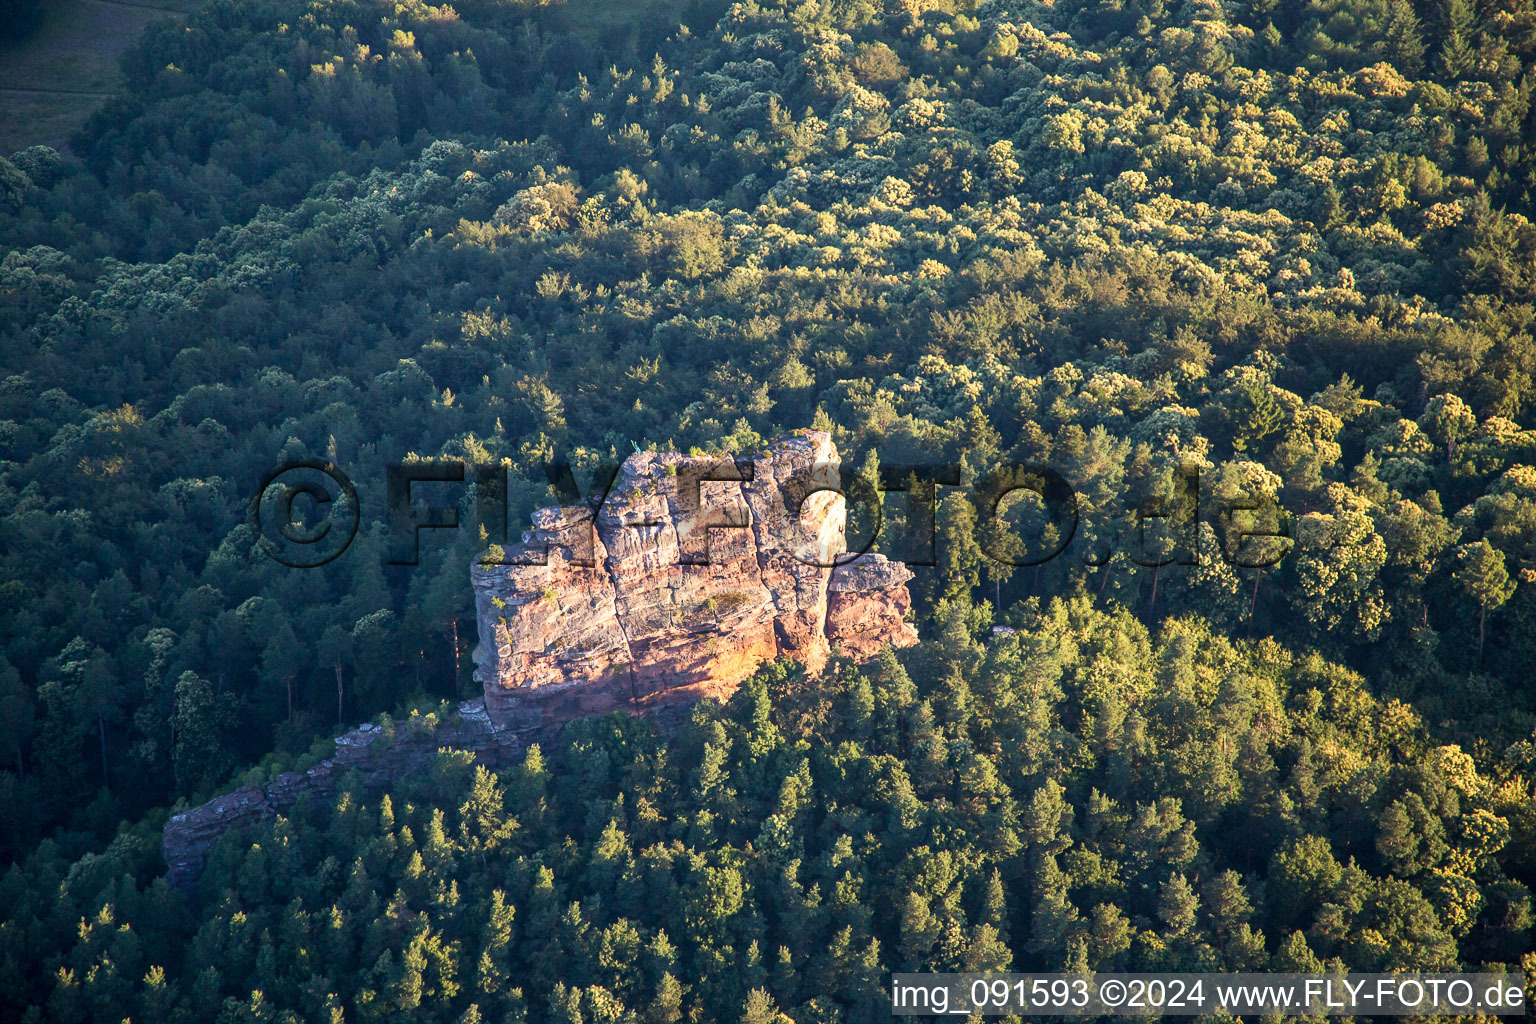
{"type": "Point", "coordinates": [867, 601]}
{"type": "Point", "coordinates": [693, 573]}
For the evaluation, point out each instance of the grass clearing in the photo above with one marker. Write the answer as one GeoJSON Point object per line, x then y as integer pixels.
{"type": "Point", "coordinates": [52, 81]}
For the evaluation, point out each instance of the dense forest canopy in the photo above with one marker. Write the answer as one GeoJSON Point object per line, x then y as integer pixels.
{"type": "Point", "coordinates": [1286, 244]}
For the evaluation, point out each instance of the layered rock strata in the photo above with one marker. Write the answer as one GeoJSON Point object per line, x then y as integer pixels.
{"type": "Point", "coordinates": [867, 601]}
{"type": "Point", "coordinates": [691, 573]}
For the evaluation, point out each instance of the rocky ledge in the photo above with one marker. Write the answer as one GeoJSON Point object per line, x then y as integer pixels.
{"type": "Point", "coordinates": [377, 754]}
{"type": "Point", "coordinates": [691, 573]}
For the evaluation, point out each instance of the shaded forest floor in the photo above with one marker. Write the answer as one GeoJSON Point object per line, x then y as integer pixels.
{"type": "Point", "coordinates": [633, 25]}
{"type": "Point", "coordinates": [52, 81]}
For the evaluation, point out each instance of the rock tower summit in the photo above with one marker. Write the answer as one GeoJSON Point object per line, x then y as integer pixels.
{"type": "Point", "coordinates": [693, 572]}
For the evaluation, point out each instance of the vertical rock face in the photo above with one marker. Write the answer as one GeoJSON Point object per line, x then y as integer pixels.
{"type": "Point", "coordinates": [866, 601]}
{"type": "Point", "coordinates": [692, 573]}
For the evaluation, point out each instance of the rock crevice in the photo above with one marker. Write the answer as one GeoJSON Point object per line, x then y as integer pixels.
{"type": "Point", "coordinates": [644, 622]}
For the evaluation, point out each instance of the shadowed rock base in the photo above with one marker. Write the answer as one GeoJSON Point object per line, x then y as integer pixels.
{"type": "Point", "coordinates": [378, 755]}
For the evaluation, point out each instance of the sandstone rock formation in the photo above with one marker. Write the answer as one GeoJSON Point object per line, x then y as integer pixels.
{"type": "Point", "coordinates": [865, 599]}
{"type": "Point", "coordinates": [692, 573]}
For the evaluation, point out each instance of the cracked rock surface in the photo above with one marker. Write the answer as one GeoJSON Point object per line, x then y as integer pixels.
{"type": "Point", "coordinates": [692, 573]}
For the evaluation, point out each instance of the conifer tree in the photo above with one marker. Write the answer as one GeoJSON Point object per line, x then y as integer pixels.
{"type": "Point", "coordinates": [1482, 575]}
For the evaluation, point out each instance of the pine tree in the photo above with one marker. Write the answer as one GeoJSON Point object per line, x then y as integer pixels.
{"type": "Point", "coordinates": [1396, 840]}
{"type": "Point", "coordinates": [1295, 956]}
{"type": "Point", "coordinates": [1053, 918]}
{"type": "Point", "coordinates": [1457, 21]}
{"type": "Point", "coordinates": [94, 691]}
{"type": "Point", "coordinates": [495, 943]}
{"type": "Point", "coordinates": [1177, 904]}
{"type": "Point", "coordinates": [1404, 42]}
{"type": "Point", "coordinates": [565, 1004]}
{"type": "Point", "coordinates": [1261, 417]}
{"type": "Point", "coordinates": [1227, 903]}
{"type": "Point", "coordinates": [784, 978]}
{"type": "Point", "coordinates": [16, 716]}
{"type": "Point", "coordinates": [994, 904]}
{"type": "Point", "coordinates": [1330, 214]}
{"type": "Point", "coordinates": [484, 825]}
{"type": "Point", "coordinates": [197, 755]}
{"type": "Point", "coordinates": [335, 651]}
{"type": "Point", "coordinates": [1482, 575]}
{"type": "Point", "coordinates": [919, 931]}
{"type": "Point", "coordinates": [1109, 936]}
{"type": "Point", "coordinates": [437, 848]}
{"type": "Point", "coordinates": [667, 1005]}
{"type": "Point", "coordinates": [712, 773]}
{"type": "Point", "coordinates": [282, 659]}
{"type": "Point", "coordinates": [760, 1008]}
